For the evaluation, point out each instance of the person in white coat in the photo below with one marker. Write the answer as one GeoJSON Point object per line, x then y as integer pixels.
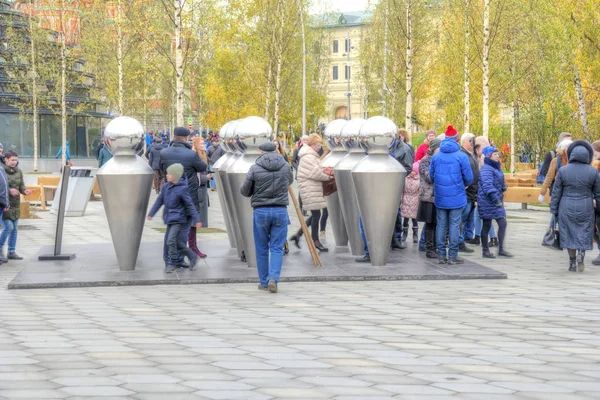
{"type": "Point", "coordinates": [311, 176]}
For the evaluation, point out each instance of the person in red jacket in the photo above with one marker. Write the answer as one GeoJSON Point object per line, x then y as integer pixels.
{"type": "Point", "coordinates": [422, 150]}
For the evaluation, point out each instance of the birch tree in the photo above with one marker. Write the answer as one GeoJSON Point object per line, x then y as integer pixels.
{"type": "Point", "coordinates": [466, 66]}
{"type": "Point", "coordinates": [486, 67]}
{"type": "Point", "coordinates": [409, 67]}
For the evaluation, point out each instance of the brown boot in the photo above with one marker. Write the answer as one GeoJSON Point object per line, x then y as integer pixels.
{"type": "Point", "coordinates": [192, 243]}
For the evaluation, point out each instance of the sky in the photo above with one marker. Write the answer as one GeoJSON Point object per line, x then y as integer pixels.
{"type": "Point", "coordinates": [320, 6]}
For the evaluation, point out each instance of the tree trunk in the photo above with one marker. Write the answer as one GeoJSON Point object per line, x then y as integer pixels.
{"type": "Point", "coordinates": [120, 57]}
{"type": "Point", "coordinates": [269, 83]}
{"type": "Point", "coordinates": [409, 68]}
{"type": "Point", "coordinates": [179, 106]}
{"type": "Point", "coordinates": [512, 138]}
{"type": "Point", "coordinates": [63, 82]}
{"type": "Point", "coordinates": [486, 67]}
{"type": "Point", "coordinates": [278, 62]}
{"type": "Point", "coordinates": [385, 50]}
{"type": "Point", "coordinates": [34, 88]}
{"type": "Point", "coordinates": [581, 101]}
{"type": "Point", "coordinates": [467, 92]}
{"type": "Point", "coordinates": [301, 11]}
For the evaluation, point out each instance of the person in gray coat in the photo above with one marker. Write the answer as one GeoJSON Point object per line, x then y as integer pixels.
{"type": "Point", "coordinates": [267, 184]}
{"type": "Point", "coordinates": [153, 155]}
{"type": "Point", "coordinates": [576, 187]}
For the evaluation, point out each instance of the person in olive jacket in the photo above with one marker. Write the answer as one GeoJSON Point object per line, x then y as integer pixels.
{"type": "Point", "coordinates": [267, 184]}
{"type": "Point", "coordinates": [10, 216]}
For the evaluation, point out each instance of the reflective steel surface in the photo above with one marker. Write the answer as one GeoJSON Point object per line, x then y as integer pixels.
{"type": "Point", "coordinates": [379, 183]}
{"type": "Point", "coordinates": [123, 134]}
{"type": "Point", "coordinates": [222, 189]}
{"type": "Point", "coordinates": [125, 182]}
{"type": "Point", "coordinates": [228, 193]}
{"type": "Point", "coordinates": [346, 193]}
{"type": "Point", "coordinates": [332, 134]}
{"type": "Point", "coordinates": [251, 132]}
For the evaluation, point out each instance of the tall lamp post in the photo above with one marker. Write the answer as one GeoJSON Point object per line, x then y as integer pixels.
{"type": "Point", "coordinates": [348, 71]}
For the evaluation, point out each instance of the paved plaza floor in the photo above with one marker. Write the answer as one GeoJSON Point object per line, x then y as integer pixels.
{"type": "Point", "coordinates": [535, 335]}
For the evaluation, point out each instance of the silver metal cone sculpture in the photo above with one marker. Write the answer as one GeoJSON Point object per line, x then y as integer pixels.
{"type": "Point", "coordinates": [221, 188]}
{"type": "Point", "coordinates": [379, 182]}
{"type": "Point", "coordinates": [333, 133]}
{"type": "Point", "coordinates": [125, 182]}
{"type": "Point", "coordinates": [345, 184]}
{"type": "Point", "coordinates": [229, 192]}
{"type": "Point", "coordinates": [250, 133]}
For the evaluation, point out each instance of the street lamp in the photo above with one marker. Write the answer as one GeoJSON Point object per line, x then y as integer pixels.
{"type": "Point", "coordinates": [349, 48]}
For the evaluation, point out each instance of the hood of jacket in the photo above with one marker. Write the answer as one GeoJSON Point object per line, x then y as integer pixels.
{"type": "Point", "coordinates": [579, 154]}
{"type": "Point", "coordinates": [271, 161]}
{"type": "Point", "coordinates": [449, 146]}
{"type": "Point", "coordinates": [157, 146]}
{"type": "Point", "coordinates": [305, 150]}
{"type": "Point", "coordinates": [580, 147]}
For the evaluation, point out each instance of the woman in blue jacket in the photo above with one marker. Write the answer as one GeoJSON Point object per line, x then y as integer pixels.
{"type": "Point", "coordinates": [490, 200]}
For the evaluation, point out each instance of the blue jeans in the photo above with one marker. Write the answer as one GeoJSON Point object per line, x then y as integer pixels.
{"type": "Point", "coordinates": [467, 221]}
{"type": "Point", "coordinates": [448, 220]}
{"type": "Point", "coordinates": [213, 182]}
{"type": "Point", "coordinates": [363, 236]}
{"type": "Point", "coordinates": [270, 232]}
{"type": "Point", "coordinates": [422, 239]}
{"type": "Point", "coordinates": [176, 244]}
{"type": "Point", "coordinates": [10, 231]}
{"type": "Point", "coordinates": [479, 223]}
{"type": "Point", "coordinates": [182, 235]}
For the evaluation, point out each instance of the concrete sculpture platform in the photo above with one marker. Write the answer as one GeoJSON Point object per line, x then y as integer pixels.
{"type": "Point", "coordinates": [96, 265]}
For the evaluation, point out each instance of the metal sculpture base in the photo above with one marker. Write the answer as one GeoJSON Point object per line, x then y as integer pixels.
{"type": "Point", "coordinates": [229, 200]}
{"type": "Point", "coordinates": [348, 201]}
{"type": "Point", "coordinates": [336, 216]}
{"type": "Point", "coordinates": [223, 196]}
{"type": "Point", "coordinates": [379, 183]}
{"type": "Point", "coordinates": [236, 174]}
{"type": "Point", "coordinates": [125, 182]}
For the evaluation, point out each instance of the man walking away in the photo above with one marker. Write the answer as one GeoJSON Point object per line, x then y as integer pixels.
{"type": "Point", "coordinates": [181, 152]}
{"type": "Point", "coordinates": [468, 214]}
{"type": "Point", "coordinates": [267, 184]}
{"type": "Point", "coordinates": [451, 174]}
{"type": "Point", "coordinates": [154, 161]}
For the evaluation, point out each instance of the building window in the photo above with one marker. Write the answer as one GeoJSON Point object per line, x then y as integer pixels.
{"type": "Point", "coordinates": [336, 46]}
{"type": "Point", "coordinates": [347, 72]}
{"type": "Point", "coordinates": [347, 44]}
{"type": "Point", "coordinates": [335, 73]}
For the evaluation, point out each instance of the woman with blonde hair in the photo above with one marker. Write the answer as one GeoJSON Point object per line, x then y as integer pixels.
{"type": "Point", "coordinates": [199, 146]}
{"type": "Point", "coordinates": [311, 176]}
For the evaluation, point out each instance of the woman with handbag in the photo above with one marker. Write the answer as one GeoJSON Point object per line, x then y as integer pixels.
{"type": "Point", "coordinates": [311, 176]}
{"type": "Point", "coordinates": [576, 187]}
{"type": "Point", "coordinates": [490, 200]}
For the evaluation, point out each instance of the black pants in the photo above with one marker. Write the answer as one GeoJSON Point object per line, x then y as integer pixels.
{"type": "Point", "coordinates": [324, 219]}
{"type": "Point", "coordinates": [430, 244]}
{"type": "Point", "coordinates": [485, 230]}
{"type": "Point", "coordinates": [313, 223]}
{"type": "Point", "coordinates": [415, 224]}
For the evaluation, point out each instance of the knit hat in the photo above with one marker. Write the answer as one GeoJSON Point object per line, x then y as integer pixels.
{"type": "Point", "coordinates": [267, 147]}
{"type": "Point", "coordinates": [451, 133]}
{"type": "Point", "coordinates": [434, 144]}
{"type": "Point", "coordinates": [181, 131]}
{"type": "Point", "coordinates": [563, 136]}
{"type": "Point", "coordinates": [176, 171]}
{"type": "Point", "coordinates": [415, 166]}
{"type": "Point", "coordinates": [488, 151]}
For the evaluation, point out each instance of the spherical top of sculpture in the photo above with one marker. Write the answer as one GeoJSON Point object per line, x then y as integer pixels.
{"type": "Point", "coordinates": [229, 135]}
{"type": "Point", "coordinates": [334, 128]}
{"type": "Point", "coordinates": [251, 132]}
{"type": "Point", "coordinates": [223, 130]}
{"type": "Point", "coordinates": [378, 133]}
{"type": "Point", "coordinates": [123, 135]}
{"type": "Point", "coordinates": [350, 132]}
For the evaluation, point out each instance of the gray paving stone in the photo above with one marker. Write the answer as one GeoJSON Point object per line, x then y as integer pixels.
{"type": "Point", "coordinates": [532, 387]}
{"type": "Point", "coordinates": [413, 389]}
{"type": "Point", "coordinates": [87, 381]}
{"type": "Point", "coordinates": [33, 394]}
{"type": "Point", "coordinates": [96, 391]}
{"type": "Point", "coordinates": [232, 395]}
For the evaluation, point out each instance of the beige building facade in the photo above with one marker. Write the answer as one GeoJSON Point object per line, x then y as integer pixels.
{"type": "Point", "coordinates": [344, 70]}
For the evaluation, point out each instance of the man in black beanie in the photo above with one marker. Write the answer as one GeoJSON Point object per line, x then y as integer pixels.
{"type": "Point", "coordinates": [181, 152]}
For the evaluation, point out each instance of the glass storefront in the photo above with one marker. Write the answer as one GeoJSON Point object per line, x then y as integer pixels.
{"type": "Point", "coordinates": [83, 132]}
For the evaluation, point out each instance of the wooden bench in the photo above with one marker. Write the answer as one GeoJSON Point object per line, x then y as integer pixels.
{"type": "Point", "coordinates": [519, 182]}
{"type": "Point", "coordinates": [48, 186]}
{"type": "Point", "coordinates": [524, 195]}
{"type": "Point", "coordinates": [25, 210]}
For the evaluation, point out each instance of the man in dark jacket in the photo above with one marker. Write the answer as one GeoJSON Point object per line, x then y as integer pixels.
{"type": "Point", "coordinates": [267, 184]}
{"type": "Point", "coordinates": [215, 151]}
{"type": "Point", "coordinates": [451, 173]}
{"type": "Point", "coordinates": [181, 152]}
{"type": "Point", "coordinates": [154, 162]}
{"type": "Point", "coordinates": [467, 141]}
{"type": "Point", "coordinates": [404, 154]}
{"type": "Point", "coordinates": [4, 199]}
